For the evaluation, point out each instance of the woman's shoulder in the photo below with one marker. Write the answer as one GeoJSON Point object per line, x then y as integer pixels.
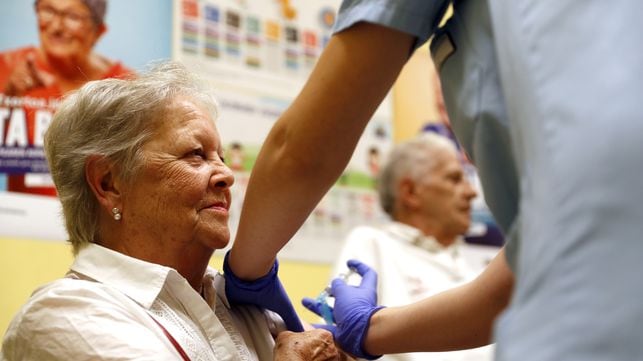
{"type": "Point", "coordinates": [72, 318]}
{"type": "Point", "coordinates": [50, 304]}
{"type": "Point", "coordinates": [69, 295]}
{"type": "Point", "coordinates": [58, 292]}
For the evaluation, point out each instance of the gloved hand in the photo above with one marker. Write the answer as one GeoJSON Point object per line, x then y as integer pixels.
{"type": "Point", "coordinates": [266, 292]}
{"type": "Point", "coordinates": [354, 306]}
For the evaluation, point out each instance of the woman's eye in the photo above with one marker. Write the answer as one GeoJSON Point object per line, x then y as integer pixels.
{"type": "Point", "coordinates": [198, 153]}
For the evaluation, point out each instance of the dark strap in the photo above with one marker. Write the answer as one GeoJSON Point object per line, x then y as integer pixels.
{"type": "Point", "coordinates": [178, 347]}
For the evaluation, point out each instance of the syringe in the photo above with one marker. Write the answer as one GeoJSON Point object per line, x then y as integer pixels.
{"type": "Point", "coordinates": [322, 298]}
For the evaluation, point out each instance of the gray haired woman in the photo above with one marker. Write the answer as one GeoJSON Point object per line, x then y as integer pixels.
{"type": "Point", "coordinates": [138, 165]}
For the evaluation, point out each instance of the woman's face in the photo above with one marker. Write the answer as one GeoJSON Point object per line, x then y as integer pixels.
{"type": "Point", "coordinates": [66, 29]}
{"type": "Point", "coordinates": [182, 194]}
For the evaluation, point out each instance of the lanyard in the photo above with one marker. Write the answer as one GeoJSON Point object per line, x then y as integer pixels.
{"type": "Point", "coordinates": [178, 347]}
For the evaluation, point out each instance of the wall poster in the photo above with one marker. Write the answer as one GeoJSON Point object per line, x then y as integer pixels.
{"type": "Point", "coordinates": [41, 48]}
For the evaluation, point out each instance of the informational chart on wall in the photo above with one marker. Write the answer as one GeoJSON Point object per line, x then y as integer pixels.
{"type": "Point", "coordinates": [257, 56]}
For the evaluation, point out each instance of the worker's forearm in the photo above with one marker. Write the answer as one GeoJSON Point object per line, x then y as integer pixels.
{"type": "Point", "coordinates": [456, 319]}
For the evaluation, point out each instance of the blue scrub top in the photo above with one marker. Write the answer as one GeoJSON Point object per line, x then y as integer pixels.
{"type": "Point", "coordinates": [545, 96]}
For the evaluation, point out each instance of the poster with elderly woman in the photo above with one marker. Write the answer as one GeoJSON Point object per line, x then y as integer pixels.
{"type": "Point", "coordinates": [48, 48]}
{"type": "Point", "coordinates": [57, 46]}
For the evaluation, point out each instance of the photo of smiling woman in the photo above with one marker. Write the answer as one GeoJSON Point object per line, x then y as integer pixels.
{"type": "Point", "coordinates": [33, 78]}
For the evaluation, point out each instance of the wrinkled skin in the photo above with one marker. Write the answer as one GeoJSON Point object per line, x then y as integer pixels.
{"type": "Point", "coordinates": [312, 345]}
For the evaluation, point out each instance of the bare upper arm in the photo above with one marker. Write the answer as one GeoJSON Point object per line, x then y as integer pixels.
{"type": "Point", "coordinates": [311, 143]}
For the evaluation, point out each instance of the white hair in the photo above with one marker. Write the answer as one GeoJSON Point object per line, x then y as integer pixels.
{"type": "Point", "coordinates": [112, 118]}
{"type": "Point", "coordinates": [414, 158]}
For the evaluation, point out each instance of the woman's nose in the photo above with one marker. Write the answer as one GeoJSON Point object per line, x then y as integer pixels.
{"type": "Point", "coordinates": [222, 176]}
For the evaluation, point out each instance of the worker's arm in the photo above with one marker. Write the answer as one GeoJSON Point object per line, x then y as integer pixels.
{"type": "Point", "coordinates": [312, 142]}
{"type": "Point", "coordinates": [456, 319]}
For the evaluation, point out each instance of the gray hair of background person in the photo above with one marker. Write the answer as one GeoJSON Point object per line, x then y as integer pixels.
{"type": "Point", "coordinates": [97, 8]}
{"type": "Point", "coordinates": [413, 158]}
{"type": "Point", "coordinates": [112, 118]}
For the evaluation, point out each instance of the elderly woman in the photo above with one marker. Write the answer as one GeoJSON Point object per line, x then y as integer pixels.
{"type": "Point", "coordinates": [145, 193]}
{"type": "Point", "coordinates": [68, 31]}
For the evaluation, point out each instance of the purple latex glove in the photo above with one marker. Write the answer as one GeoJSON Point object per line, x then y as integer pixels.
{"type": "Point", "coordinates": [266, 292]}
{"type": "Point", "coordinates": [354, 306]}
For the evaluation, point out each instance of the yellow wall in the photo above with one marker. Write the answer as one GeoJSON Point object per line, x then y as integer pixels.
{"type": "Point", "coordinates": [414, 97]}
{"type": "Point", "coordinates": [24, 265]}
{"type": "Point", "coordinates": [415, 92]}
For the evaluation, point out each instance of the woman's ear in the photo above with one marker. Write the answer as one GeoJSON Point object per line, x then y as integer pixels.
{"type": "Point", "coordinates": [100, 175]}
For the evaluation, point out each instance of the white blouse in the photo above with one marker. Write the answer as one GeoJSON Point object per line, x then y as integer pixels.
{"type": "Point", "coordinates": [108, 306]}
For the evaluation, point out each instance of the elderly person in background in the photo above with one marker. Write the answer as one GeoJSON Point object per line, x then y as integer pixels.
{"type": "Point", "coordinates": [64, 61]}
{"type": "Point", "coordinates": [145, 194]}
{"type": "Point", "coordinates": [423, 188]}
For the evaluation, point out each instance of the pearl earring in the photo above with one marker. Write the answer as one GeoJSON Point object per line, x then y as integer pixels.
{"type": "Point", "coordinates": [117, 213]}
